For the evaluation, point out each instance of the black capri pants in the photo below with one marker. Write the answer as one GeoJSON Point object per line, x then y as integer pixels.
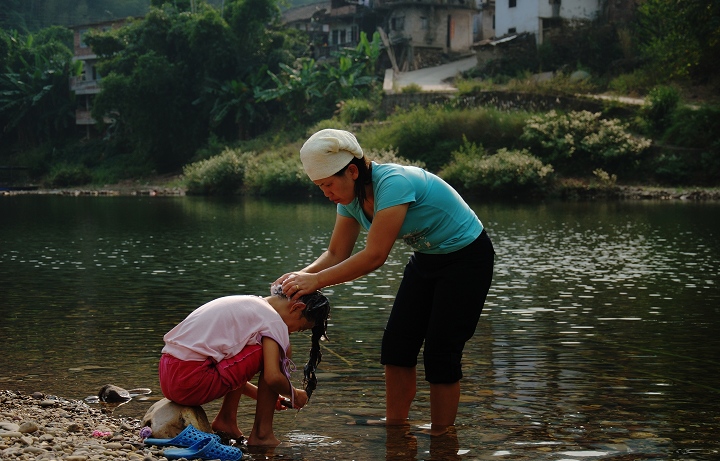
{"type": "Point", "coordinates": [439, 303]}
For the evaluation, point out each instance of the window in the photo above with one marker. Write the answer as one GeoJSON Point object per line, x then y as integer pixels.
{"type": "Point", "coordinates": [397, 24]}
{"type": "Point", "coordinates": [512, 30]}
{"type": "Point", "coordinates": [512, 3]}
{"type": "Point", "coordinates": [83, 33]}
{"type": "Point", "coordinates": [423, 23]}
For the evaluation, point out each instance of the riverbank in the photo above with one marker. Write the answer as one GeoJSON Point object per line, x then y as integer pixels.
{"type": "Point", "coordinates": [566, 189]}
{"type": "Point", "coordinates": [568, 192]}
{"type": "Point", "coordinates": [39, 426]}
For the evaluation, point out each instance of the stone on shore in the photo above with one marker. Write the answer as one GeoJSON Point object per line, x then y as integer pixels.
{"type": "Point", "coordinates": [52, 428]}
{"type": "Point", "coordinates": [167, 419]}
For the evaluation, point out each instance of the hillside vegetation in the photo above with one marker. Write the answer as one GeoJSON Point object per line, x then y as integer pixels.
{"type": "Point", "coordinates": [225, 95]}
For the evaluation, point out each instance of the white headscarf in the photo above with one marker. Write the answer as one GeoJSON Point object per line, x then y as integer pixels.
{"type": "Point", "coordinates": [327, 152]}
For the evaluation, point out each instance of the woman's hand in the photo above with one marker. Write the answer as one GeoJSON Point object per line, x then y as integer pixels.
{"type": "Point", "coordinates": [297, 284]}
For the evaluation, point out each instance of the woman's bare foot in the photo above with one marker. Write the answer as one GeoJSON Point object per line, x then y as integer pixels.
{"type": "Point", "coordinates": [379, 422]}
{"type": "Point", "coordinates": [436, 430]}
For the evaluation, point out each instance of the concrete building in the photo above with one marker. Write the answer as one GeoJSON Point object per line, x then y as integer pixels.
{"type": "Point", "coordinates": [87, 85]}
{"type": "Point", "coordinates": [413, 30]}
{"type": "Point", "coordinates": [539, 17]}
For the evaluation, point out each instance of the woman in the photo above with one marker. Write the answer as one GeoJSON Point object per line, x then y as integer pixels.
{"type": "Point", "coordinates": [446, 279]}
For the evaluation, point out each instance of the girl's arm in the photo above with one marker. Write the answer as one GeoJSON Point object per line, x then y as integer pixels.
{"type": "Point", "coordinates": [381, 237]}
{"type": "Point", "coordinates": [274, 376]}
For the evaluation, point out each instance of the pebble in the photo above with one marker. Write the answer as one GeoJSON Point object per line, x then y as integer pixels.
{"type": "Point", "coordinates": [38, 426]}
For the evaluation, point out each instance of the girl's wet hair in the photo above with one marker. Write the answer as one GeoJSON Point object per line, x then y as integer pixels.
{"type": "Point", "coordinates": [317, 310]}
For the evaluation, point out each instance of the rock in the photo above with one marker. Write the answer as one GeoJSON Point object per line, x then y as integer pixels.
{"type": "Point", "coordinates": [9, 426]}
{"type": "Point", "coordinates": [74, 427]}
{"type": "Point", "coordinates": [28, 427]}
{"type": "Point", "coordinates": [113, 394]}
{"type": "Point", "coordinates": [167, 419]}
{"type": "Point", "coordinates": [579, 75]}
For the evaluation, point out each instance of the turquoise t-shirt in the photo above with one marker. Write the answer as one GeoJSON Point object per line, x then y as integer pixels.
{"type": "Point", "coordinates": [438, 220]}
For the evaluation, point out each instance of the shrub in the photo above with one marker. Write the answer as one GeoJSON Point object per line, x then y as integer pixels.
{"type": "Point", "coordinates": [659, 106]}
{"type": "Point", "coordinates": [411, 88]}
{"type": "Point", "coordinates": [332, 123]}
{"type": "Point", "coordinates": [355, 110]}
{"type": "Point", "coordinates": [636, 83]}
{"type": "Point", "coordinates": [473, 170]}
{"type": "Point", "coordinates": [694, 127]}
{"type": "Point", "coordinates": [275, 173]}
{"type": "Point", "coordinates": [579, 142]}
{"type": "Point", "coordinates": [65, 175]}
{"type": "Point", "coordinates": [218, 175]}
{"type": "Point", "coordinates": [604, 178]}
{"type": "Point", "coordinates": [563, 84]}
{"type": "Point", "coordinates": [430, 134]}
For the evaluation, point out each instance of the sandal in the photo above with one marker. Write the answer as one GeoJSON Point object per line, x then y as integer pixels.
{"type": "Point", "coordinates": [188, 437]}
{"type": "Point", "coordinates": [209, 448]}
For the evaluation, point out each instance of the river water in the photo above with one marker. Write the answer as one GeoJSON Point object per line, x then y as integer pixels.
{"type": "Point", "coordinates": [598, 340]}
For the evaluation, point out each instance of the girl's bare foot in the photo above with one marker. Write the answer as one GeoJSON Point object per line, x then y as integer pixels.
{"type": "Point", "coordinates": [227, 432]}
{"type": "Point", "coordinates": [270, 441]}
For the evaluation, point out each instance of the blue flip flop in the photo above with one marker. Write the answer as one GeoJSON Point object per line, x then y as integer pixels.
{"type": "Point", "coordinates": [209, 448]}
{"type": "Point", "coordinates": [188, 437]}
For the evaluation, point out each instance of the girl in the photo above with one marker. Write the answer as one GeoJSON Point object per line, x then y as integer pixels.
{"type": "Point", "coordinates": [221, 345]}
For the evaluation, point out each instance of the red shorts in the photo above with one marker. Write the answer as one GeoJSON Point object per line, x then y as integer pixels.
{"type": "Point", "coordinates": [191, 383]}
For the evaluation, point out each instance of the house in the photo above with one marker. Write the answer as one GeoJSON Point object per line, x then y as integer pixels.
{"type": "Point", "coordinates": [415, 31]}
{"type": "Point", "coordinates": [539, 17]}
{"type": "Point", "coordinates": [87, 84]}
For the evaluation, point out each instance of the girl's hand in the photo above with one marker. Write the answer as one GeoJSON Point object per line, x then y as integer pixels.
{"type": "Point", "coordinates": [282, 403]}
{"type": "Point", "coordinates": [301, 398]}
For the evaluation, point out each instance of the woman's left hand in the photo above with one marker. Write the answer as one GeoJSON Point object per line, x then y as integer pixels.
{"type": "Point", "coordinates": [297, 284]}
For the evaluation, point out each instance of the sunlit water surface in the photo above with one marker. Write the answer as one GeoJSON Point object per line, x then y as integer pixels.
{"type": "Point", "coordinates": [598, 341]}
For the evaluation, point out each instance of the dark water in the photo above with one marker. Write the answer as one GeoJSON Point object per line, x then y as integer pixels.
{"type": "Point", "coordinates": [599, 339]}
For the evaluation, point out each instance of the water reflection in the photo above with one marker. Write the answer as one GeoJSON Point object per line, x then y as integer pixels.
{"type": "Point", "coordinates": [598, 340]}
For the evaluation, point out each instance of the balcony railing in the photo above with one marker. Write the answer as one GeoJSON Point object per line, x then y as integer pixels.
{"type": "Point", "coordinates": [470, 4]}
{"type": "Point", "coordinates": [81, 86]}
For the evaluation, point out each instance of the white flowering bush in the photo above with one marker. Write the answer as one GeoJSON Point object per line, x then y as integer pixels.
{"type": "Point", "coordinates": [579, 142]}
{"type": "Point", "coordinates": [392, 156]}
{"type": "Point", "coordinates": [474, 170]}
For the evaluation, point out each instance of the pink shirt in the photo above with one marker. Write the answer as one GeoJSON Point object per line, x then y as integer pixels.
{"type": "Point", "coordinates": [221, 328]}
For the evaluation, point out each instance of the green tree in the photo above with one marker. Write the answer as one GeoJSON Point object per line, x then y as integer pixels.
{"type": "Point", "coordinates": [36, 105]}
{"type": "Point", "coordinates": [680, 38]}
{"type": "Point", "coordinates": [310, 90]}
{"type": "Point", "coordinates": [172, 78]}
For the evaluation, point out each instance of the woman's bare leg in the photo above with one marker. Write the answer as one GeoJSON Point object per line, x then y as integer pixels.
{"type": "Point", "coordinates": [400, 388]}
{"type": "Point", "coordinates": [444, 401]}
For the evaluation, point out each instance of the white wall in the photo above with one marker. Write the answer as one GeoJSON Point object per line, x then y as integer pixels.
{"type": "Point", "coordinates": [525, 17]}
